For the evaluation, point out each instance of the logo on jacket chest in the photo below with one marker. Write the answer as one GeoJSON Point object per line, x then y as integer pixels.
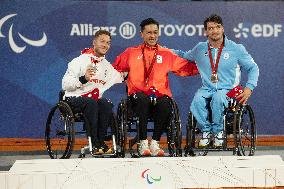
{"type": "Point", "coordinates": [139, 57]}
{"type": "Point", "coordinates": [226, 55]}
{"type": "Point", "coordinates": [159, 59]}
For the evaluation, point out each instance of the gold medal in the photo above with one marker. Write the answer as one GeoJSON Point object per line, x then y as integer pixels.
{"type": "Point", "coordinates": [214, 78]}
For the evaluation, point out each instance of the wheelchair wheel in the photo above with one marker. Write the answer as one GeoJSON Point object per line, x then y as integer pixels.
{"type": "Point", "coordinates": [190, 135]}
{"type": "Point", "coordinates": [122, 130]}
{"type": "Point", "coordinates": [114, 135]}
{"type": "Point", "coordinates": [245, 135]}
{"type": "Point", "coordinates": [193, 135]}
{"type": "Point", "coordinates": [59, 131]}
{"type": "Point", "coordinates": [174, 134]}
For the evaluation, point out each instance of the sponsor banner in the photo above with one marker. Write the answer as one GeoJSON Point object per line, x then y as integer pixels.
{"type": "Point", "coordinates": [38, 39]}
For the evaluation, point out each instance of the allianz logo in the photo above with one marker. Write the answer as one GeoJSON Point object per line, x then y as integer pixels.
{"type": "Point", "coordinates": [16, 48]}
{"type": "Point", "coordinates": [127, 30]}
{"type": "Point", "coordinates": [257, 30]}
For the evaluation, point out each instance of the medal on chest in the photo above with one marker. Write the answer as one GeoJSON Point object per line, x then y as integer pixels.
{"type": "Point", "coordinates": [214, 78]}
{"type": "Point", "coordinates": [214, 67]}
{"type": "Point", "coordinates": [148, 71]}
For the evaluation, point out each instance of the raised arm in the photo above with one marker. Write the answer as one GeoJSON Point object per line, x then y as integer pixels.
{"type": "Point", "coordinates": [183, 67]}
{"type": "Point", "coordinates": [184, 54]}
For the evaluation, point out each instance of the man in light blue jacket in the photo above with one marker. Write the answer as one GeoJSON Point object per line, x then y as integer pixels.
{"type": "Point", "coordinates": [219, 61]}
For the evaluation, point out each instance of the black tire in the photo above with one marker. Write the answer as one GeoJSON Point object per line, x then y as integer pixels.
{"type": "Point", "coordinates": [115, 134]}
{"type": "Point", "coordinates": [190, 136]}
{"type": "Point", "coordinates": [121, 124]}
{"type": "Point", "coordinates": [245, 135]}
{"type": "Point", "coordinates": [59, 131]}
{"type": "Point", "coordinates": [175, 134]}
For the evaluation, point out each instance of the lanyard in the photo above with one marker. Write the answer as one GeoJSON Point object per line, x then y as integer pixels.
{"type": "Point", "coordinates": [215, 67]}
{"type": "Point", "coordinates": [94, 60]}
{"type": "Point", "coordinates": [148, 72]}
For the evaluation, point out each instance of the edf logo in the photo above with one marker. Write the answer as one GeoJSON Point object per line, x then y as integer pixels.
{"type": "Point", "coordinates": [258, 30]}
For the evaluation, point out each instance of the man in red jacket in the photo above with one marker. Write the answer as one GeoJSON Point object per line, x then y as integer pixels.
{"type": "Point", "coordinates": [148, 65]}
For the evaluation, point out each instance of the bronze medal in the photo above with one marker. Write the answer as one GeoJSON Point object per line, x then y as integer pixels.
{"type": "Point", "coordinates": [214, 78]}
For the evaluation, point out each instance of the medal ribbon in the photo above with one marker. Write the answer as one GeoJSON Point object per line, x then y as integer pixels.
{"type": "Point", "coordinates": [94, 61]}
{"type": "Point", "coordinates": [148, 72]}
{"type": "Point", "coordinates": [215, 67]}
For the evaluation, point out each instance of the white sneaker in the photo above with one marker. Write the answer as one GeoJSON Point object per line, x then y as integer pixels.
{"type": "Point", "coordinates": [155, 149]}
{"type": "Point", "coordinates": [205, 140]}
{"type": "Point", "coordinates": [219, 139]}
{"type": "Point", "coordinates": [144, 148]}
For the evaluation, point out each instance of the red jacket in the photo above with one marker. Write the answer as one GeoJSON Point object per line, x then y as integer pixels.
{"type": "Point", "coordinates": [131, 61]}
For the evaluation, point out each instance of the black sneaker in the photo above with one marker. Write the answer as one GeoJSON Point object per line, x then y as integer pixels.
{"type": "Point", "coordinates": [105, 148]}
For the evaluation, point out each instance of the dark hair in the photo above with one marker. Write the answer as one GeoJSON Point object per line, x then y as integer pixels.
{"type": "Point", "coordinates": [102, 32]}
{"type": "Point", "coordinates": [213, 18]}
{"type": "Point", "coordinates": [148, 21]}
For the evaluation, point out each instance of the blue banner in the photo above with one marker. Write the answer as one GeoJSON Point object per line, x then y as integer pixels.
{"type": "Point", "coordinates": [39, 38]}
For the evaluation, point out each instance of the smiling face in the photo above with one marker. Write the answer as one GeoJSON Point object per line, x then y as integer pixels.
{"type": "Point", "coordinates": [214, 32]}
{"type": "Point", "coordinates": [101, 44]}
{"type": "Point", "coordinates": [150, 34]}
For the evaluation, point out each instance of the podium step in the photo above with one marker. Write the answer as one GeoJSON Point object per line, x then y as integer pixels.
{"type": "Point", "coordinates": [165, 172]}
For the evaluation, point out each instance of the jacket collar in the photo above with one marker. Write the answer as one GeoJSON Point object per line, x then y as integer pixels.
{"type": "Point", "coordinates": [144, 45]}
{"type": "Point", "coordinates": [225, 40]}
{"type": "Point", "coordinates": [90, 51]}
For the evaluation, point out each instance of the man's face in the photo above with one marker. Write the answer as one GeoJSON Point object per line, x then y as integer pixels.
{"type": "Point", "coordinates": [150, 34]}
{"type": "Point", "coordinates": [101, 44]}
{"type": "Point", "coordinates": [214, 31]}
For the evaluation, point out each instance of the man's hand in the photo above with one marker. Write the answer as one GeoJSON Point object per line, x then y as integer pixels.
{"type": "Point", "coordinates": [90, 72]}
{"type": "Point", "coordinates": [243, 97]}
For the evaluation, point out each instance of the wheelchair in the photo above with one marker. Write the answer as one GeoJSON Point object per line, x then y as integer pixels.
{"type": "Point", "coordinates": [239, 132]}
{"type": "Point", "coordinates": [128, 123]}
{"type": "Point", "coordinates": [64, 124]}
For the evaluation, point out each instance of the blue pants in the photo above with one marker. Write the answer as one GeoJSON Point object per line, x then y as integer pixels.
{"type": "Point", "coordinates": [199, 108]}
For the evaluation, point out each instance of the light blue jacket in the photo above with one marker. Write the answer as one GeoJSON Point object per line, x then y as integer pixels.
{"type": "Point", "coordinates": [234, 58]}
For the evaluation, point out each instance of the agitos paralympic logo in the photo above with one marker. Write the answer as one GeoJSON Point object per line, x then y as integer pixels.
{"type": "Point", "coordinates": [12, 43]}
{"type": "Point", "coordinates": [150, 179]}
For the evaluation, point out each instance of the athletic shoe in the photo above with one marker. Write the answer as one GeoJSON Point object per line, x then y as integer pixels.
{"type": "Point", "coordinates": [155, 149]}
{"type": "Point", "coordinates": [205, 140]}
{"type": "Point", "coordinates": [144, 148]}
{"type": "Point", "coordinates": [219, 139]}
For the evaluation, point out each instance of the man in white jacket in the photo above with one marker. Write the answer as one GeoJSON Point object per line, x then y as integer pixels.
{"type": "Point", "coordinates": [86, 79]}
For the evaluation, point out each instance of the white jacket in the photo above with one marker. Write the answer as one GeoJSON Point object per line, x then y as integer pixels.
{"type": "Point", "coordinates": [104, 78]}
